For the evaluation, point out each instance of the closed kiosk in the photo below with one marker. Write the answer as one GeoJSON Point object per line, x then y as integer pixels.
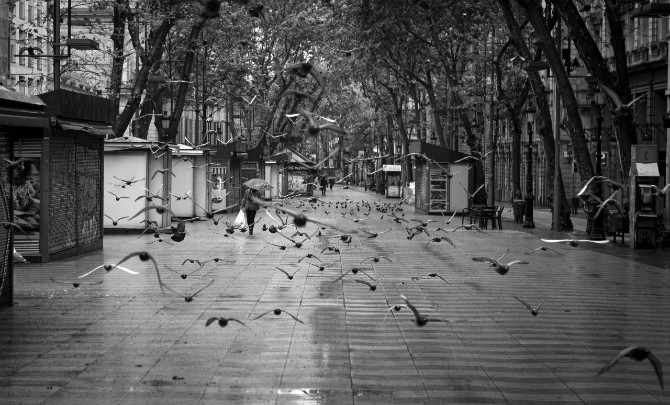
{"type": "Point", "coordinates": [644, 205]}
{"type": "Point", "coordinates": [392, 180]}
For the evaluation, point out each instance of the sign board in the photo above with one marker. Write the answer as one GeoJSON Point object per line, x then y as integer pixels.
{"type": "Point", "coordinates": [646, 169]}
{"type": "Point", "coordinates": [392, 168]}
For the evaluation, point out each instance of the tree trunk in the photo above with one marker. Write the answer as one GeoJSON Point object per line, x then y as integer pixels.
{"type": "Point", "coordinates": [187, 68]}
{"type": "Point", "coordinates": [590, 53]}
{"type": "Point", "coordinates": [379, 176]}
{"type": "Point", "coordinates": [404, 138]}
{"type": "Point", "coordinates": [118, 35]}
{"type": "Point", "coordinates": [437, 120]}
{"type": "Point", "coordinates": [159, 35]}
{"type": "Point", "coordinates": [517, 131]}
{"type": "Point", "coordinates": [545, 130]}
{"type": "Point", "coordinates": [574, 121]}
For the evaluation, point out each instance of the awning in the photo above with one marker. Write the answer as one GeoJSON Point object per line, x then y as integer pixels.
{"type": "Point", "coordinates": [93, 129]}
{"type": "Point", "coordinates": [392, 168]}
{"type": "Point", "coordinates": [11, 97]}
{"type": "Point", "coordinates": [435, 153]}
{"type": "Point", "coordinates": [287, 155]}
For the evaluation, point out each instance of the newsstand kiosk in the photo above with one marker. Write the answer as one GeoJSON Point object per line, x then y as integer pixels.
{"type": "Point", "coordinates": [644, 205]}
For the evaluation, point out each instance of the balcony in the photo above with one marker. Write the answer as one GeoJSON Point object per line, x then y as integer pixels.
{"type": "Point", "coordinates": [638, 55]}
{"type": "Point", "coordinates": [651, 10]}
{"type": "Point", "coordinates": [658, 51]}
{"type": "Point", "coordinates": [655, 53]}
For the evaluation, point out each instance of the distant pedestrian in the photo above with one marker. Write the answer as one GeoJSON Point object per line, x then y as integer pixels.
{"type": "Point", "coordinates": [324, 184]}
{"type": "Point", "coordinates": [250, 206]}
{"type": "Point", "coordinates": [331, 183]}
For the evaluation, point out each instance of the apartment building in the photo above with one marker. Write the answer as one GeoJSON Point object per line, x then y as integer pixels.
{"type": "Point", "coordinates": [647, 63]}
{"type": "Point", "coordinates": [28, 31]}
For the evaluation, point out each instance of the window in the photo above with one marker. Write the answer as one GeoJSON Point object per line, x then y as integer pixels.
{"type": "Point", "coordinates": [31, 10]}
{"type": "Point", "coordinates": [22, 43]}
{"type": "Point", "coordinates": [31, 61]}
{"type": "Point", "coordinates": [22, 9]}
{"type": "Point", "coordinates": [654, 31]}
{"type": "Point", "coordinates": [38, 61]}
{"type": "Point", "coordinates": [38, 11]}
{"type": "Point", "coordinates": [644, 32]}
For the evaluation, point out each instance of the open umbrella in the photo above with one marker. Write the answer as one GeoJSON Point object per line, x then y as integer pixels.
{"type": "Point", "coordinates": [258, 184]}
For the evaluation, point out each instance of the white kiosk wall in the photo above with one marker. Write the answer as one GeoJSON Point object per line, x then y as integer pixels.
{"type": "Point", "coordinates": [458, 199]}
{"type": "Point", "coordinates": [182, 183]}
{"type": "Point", "coordinates": [127, 166]}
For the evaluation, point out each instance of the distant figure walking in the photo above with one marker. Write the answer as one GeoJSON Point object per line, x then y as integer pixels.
{"type": "Point", "coordinates": [324, 184]}
{"type": "Point", "coordinates": [250, 206]}
{"type": "Point", "coordinates": [331, 183]}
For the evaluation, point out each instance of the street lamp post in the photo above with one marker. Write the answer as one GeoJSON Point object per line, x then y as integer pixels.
{"type": "Point", "coordinates": [597, 232]}
{"type": "Point", "coordinates": [528, 221]}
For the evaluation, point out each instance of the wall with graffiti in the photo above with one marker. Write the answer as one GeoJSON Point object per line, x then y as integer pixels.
{"type": "Point", "coordinates": [75, 204]}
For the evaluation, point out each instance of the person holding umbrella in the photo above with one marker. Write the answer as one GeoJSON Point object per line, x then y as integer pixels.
{"type": "Point", "coordinates": [248, 203]}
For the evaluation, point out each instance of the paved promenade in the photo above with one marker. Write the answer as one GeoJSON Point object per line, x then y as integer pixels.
{"type": "Point", "coordinates": [124, 342]}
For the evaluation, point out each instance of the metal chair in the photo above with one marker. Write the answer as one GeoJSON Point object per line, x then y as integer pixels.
{"type": "Point", "coordinates": [464, 213]}
{"type": "Point", "coordinates": [486, 214]}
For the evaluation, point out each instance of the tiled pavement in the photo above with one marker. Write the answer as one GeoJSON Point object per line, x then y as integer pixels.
{"type": "Point", "coordinates": [123, 341]}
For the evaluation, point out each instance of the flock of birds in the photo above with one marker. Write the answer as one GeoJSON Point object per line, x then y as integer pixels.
{"type": "Point", "coordinates": [288, 219]}
{"type": "Point", "coordinates": [288, 225]}
{"type": "Point", "coordinates": [292, 223]}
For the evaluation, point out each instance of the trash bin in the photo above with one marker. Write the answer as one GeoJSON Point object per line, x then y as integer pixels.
{"type": "Point", "coordinates": [519, 207]}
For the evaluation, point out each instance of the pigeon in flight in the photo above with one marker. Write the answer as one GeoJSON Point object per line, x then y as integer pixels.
{"type": "Point", "coordinates": [638, 353]}
{"type": "Point", "coordinates": [163, 171]}
{"type": "Point", "coordinates": [118, 198]}
{"type": "Point", "coordinates": [75, 284]}
{"type": "Point", "coordinates": [620, 109]}
{"type": "Point", "coordinates": [277, 311]}
{"type": "Point", "coordinates": [433, 275]}
{"type": "Point", "coordinates": [143, 256]}
{"type": "Point", "coordinates": [223, 322]}
{"type": "Point", "coordinates": [396, 308]}
{"type": "Point", "coordinates": [544, 249]}
{"type": "Point", "coordinates": [500, 268]}
{"type": "Point", "coordinates": [440, 239]}
{"type": "Point", "coordinates": [109, 267]}
{"type": "Point", "coordinates": [533, 311]}
{"type": "Point", "coordinates": [420, 320]}
{"type": "Point", "coordinates": [290, 276]}
{"type": "Point", "coordinates": [183, 275]}
{"type": "Point", "coordinates": [314, 128]}
{"type": "Point", "coordinates": [128, 182]}
{"type": "Point", "coordinates": [303, 69]}
{"type": "Point", "coordinates": [115, 222]}
{"type": "Point", "coordinates": [376, 259]}
{"type": "Point", "coordinates": [574, 242]}
{"type": "Point", "coordinates": [189, 298]}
